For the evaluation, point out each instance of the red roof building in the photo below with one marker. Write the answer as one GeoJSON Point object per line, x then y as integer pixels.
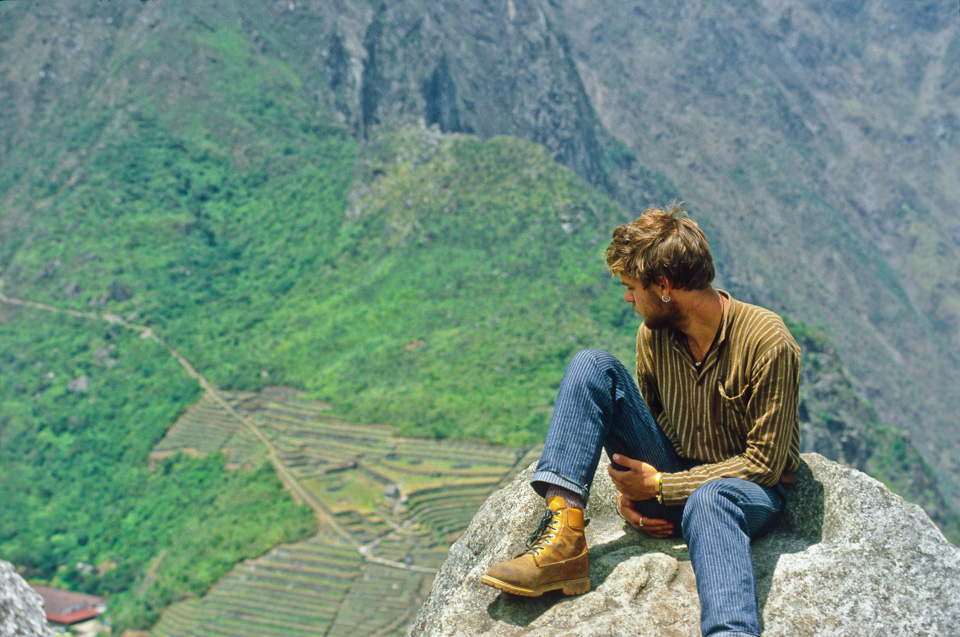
{"type": "Point", "coordinates": [67, 608]}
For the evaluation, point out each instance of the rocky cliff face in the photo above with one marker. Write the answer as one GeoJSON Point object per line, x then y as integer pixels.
{"type": "Point", "coordinates": [21, 608]}
{"type": "Point", "coordinates": [488, 68]}
{"type": "Point", "coordinates": [849, 558]}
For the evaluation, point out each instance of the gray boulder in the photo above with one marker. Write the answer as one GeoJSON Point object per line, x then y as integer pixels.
{"type": "Point", "coordinates": [21, 607]}
{"type": "Point", "coordinates": [849, 558]}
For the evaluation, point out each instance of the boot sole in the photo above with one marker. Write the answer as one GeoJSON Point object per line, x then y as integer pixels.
{"type": "Point", "coordinates": [568, 587]}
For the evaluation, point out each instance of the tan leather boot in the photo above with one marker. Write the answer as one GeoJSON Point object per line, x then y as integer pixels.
{"type": "Point", "coordinates": [556, 557]}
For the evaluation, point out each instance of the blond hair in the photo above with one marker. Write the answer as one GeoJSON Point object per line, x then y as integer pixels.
{"type": "Point", "coordinates": [662, 242]}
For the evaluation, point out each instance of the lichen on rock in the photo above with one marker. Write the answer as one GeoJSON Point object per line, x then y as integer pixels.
{"type": "Point", "coordinates": [21, 607]}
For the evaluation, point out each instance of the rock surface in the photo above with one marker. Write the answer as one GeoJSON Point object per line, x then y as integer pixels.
{"type": "Point", "coordinates": [849, 558]}
{"type": "Point", "coordinates": [21, 608]}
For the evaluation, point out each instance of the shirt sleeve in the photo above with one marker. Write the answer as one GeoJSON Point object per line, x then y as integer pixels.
{"type": "Point", "coordinates": [772, 420]}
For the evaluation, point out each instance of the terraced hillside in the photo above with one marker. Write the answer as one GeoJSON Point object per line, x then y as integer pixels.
{"type": "Point", "coordinates": [206, 428]}
{"type": "Point", "coordinates": [389, 508]}
{"type": "Point", "coordinates": [291, 590]}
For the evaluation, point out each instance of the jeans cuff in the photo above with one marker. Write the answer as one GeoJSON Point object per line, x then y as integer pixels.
{"type": "Point", "coordinates": [542, 478]}
{"type": "Point", "coordinates": [733, 633]}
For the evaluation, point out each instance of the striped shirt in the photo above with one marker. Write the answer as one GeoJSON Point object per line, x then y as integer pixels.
{"type": "Point", "coordinates": [736, 416]}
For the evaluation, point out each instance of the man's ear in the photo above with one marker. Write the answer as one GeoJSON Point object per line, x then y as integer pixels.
{"type": "Point", "coordinates": [665, 285]}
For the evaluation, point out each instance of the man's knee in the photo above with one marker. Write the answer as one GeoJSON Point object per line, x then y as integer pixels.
{"type": "Point", "coordinates": [595, 363]}
{"type": "Point", "coordinates": [593, 368]}
{"type": "Point", "coordinates": [710, 504]}
{"type": "Point", "coordinates": [592, 357]}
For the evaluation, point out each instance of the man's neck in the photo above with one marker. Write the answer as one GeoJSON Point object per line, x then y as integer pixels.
{"type": "Point", "coordinates": [702, 316]}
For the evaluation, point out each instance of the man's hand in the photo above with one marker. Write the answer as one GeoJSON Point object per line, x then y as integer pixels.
{"type": "Point", "coordinates": [637, 481]}
{"type": "Point", "coordinates": [654, 527]}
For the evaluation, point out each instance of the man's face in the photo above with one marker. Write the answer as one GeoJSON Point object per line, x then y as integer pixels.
{"type": "Point", "coordinates": [646, 301]}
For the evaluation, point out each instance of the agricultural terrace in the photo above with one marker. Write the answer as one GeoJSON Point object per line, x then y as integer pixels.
{"type": "Point", "coordinates": [389, 509]}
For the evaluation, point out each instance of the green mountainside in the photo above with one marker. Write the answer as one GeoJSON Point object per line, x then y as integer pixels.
{"type": "Point", "coordinates": [82, 407]}
{"type": "Point", "coordinates": [249, 185]}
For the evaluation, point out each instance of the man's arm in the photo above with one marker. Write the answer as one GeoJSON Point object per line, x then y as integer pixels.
{"type": "Point", "coordinates": [772, 412]}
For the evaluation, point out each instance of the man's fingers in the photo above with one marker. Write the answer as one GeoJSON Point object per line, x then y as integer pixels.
{"type": "Point", "coordinates": [617, 476]}
{"type": "Point", "coordinates": [654, 527]}
{"type": "Point", "coordinates": [631, 515]}
{"type": "Point", "coordinates": [656, 531]}
{"type": "Point", "coordinates": [624, 461]}
{"type": "Point", "coordinates": [633, 478]}
{"type": "Point", "coordinates": [655, 523]}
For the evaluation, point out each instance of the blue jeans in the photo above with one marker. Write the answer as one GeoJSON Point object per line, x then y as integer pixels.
{"type": "Point", "coordinates": [599, 407]}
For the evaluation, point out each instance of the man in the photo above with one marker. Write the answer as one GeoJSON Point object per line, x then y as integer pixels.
{"type": "Point", "coordinates": [701, 448]}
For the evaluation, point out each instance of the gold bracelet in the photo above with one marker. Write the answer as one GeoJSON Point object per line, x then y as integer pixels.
{"type": "Point", "coordinates": [619, 497]}
{"type": "Point", "coordinates": [659, 479]}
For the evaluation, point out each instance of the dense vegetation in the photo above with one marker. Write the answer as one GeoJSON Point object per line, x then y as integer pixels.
{"type": "Point", "coordinates": [83, 405]}
{"type": "Point", "coordinates": [447, 301]}
{"type": "Point", "coordinates": [467, 277]}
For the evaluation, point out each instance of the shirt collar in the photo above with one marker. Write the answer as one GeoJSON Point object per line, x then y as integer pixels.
{"type": "Point", "coordinates": [727, 320]}
{"type": "Point", "coordinates": [727, 316]}
{"type": "Point", "coordinates": [724, 325]}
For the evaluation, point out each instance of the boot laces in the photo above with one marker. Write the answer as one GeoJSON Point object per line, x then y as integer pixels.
{"type": "Point", "coordinates": [549, 524]}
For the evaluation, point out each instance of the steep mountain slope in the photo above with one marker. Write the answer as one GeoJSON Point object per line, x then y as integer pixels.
{"type": "Point", "coordinates": [815, 142]}
{"type": "Point", "coordinates": [254, 183]}
{"type": "Point", "coordinates": [172, 169]}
